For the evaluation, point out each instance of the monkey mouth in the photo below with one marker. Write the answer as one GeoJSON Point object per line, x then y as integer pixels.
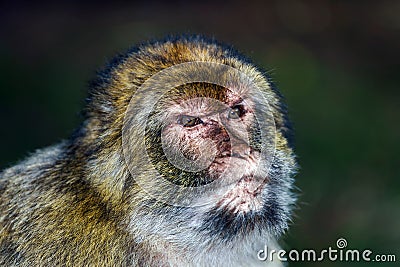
{"type": "Point", "coordinates": [244, 196]}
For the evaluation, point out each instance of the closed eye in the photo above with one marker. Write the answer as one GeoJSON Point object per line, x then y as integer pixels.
{"type": "Point", "coordinates": [189, 121]}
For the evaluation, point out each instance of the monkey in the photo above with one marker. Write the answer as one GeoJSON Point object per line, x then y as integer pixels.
{"type": "Point", "coordinates": [184, 157]}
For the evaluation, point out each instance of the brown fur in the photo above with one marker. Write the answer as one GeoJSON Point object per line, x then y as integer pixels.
{"type": "Point", "coordinates": [72, 204]}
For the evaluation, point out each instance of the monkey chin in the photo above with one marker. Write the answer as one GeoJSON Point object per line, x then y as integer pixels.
{"type": "Point", "coordinates": [244, 197]}
{"type": "Point", "coordinates": [245, 194]}
{"type": "Point", "coordinates": [250, 206]}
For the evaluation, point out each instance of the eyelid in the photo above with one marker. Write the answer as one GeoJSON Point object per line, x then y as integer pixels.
{"type": "Point", "coordinates": [189, 121]}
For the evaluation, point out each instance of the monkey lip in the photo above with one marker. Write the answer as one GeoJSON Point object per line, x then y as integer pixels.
{"type": "Point", "coordinates": [245, 196]}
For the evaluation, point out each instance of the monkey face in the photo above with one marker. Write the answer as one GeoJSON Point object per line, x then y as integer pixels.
{"type": "Point", "coordinates": [213, 151]}
{"type": "Point", "coordinates": [211, 135]}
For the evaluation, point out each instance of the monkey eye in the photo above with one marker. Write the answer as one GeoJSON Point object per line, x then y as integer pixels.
{"type": "Point", "coordinates": [189, 121]}
{"type": "Point", "coordinates": [236, 112]}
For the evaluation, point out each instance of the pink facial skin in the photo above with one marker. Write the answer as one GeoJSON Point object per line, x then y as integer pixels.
{"type": "Point", "coordinates": [215, 136]}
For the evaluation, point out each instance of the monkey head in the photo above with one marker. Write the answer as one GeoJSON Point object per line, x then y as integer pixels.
{"type": "Point", "coordinates": [206, 143]}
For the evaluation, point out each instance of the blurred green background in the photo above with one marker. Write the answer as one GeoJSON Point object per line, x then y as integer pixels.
{"type": "Point", "coordinates": [336, 62]}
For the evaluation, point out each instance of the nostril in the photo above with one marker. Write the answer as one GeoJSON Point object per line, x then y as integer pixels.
{"type": "Point", "coordinates": [226, 139]}
{"type": "Point", "coordinates": [217, 130]}
{"type": "Point", "coordinates": [236, 154]}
